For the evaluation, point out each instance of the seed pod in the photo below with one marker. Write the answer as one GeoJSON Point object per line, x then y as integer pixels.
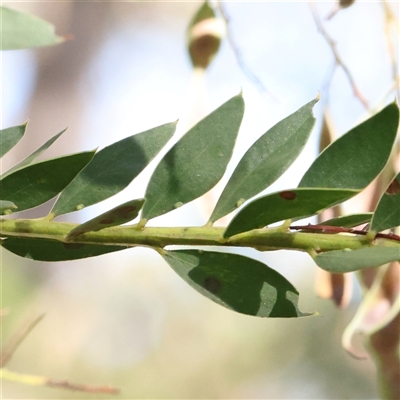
{"type": "Point", "coordinates": [338, 6]}
{"type": "Point", "coordinates": [204, 36]}
{"type": "Point", "coordinates": [346, 3]}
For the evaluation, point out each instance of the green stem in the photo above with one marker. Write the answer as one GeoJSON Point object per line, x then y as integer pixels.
{"type": "Point", "coordinates": [261, 239]}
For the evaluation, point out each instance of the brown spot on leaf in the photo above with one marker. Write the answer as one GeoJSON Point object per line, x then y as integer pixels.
{"type": "Point", "coordinates": [212, 284]}
{"type": "Point", "coordinates": [125, 212]}
{"type": "Point", "coordinates": [106, 221]}
{"type": "Point", "coordinates": [287, 195]}
{"type": "Point", "coordinates": [393, 188]}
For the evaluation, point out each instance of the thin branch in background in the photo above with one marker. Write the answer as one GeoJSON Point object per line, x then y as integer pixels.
{"type": "Point", "coordinates": [10, 348]}
{"type": "Point", "coordinates": [36, 380]}
{"type": "Point", "coordinates": [239, 57]}
{"type": "Point", "coordinates": [338, 59]}
{"type": "Point", "coordinates": [81, 388]}
{"type": "Point", "coordinates": [392, 21]}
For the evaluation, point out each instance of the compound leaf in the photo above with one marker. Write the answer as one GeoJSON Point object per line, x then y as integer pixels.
{"type": "Point", "coordinates": [236, 282]}
{"type": "Point", "coordinates": [113, 169]}
{"type": "Point", "coordinates": [294, 203]}
{"type": "Point", "coordinates": [266, 160]}
{"type": "Point", "coordinates": [197, 162]}
{"type": "Point", "coordinates": [53, 250]}
{"type": "Point", "coordinates": [22, 31]}
{"type": "Point", "coordinates": [37, 183]}
{"type": "Point", "coordinates": [117, 216]}
{"type": "Point", "coordinates": [387, 213]}
{"type": "Point", "coordinates": [9, 137]}
{"type": "Point", "coordinates": [340, 261]}
{"type": "Point", "coordinates": [357, 157]}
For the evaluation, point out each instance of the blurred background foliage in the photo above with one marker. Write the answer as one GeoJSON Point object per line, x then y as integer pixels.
{"type": "Point", "coordinates": [126, 319]}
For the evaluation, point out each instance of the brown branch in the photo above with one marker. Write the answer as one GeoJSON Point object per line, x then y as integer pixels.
{"type": "Point", "coordinates": [338, 229]}
{"type": "Point", "coordinates": [62, 384]}
{"type": "Point", "coordinates": [338, 59]}
{"type": "Point", "coordinates": [19, 336]}
{"type": "Point", "coordinates": [37, 380]}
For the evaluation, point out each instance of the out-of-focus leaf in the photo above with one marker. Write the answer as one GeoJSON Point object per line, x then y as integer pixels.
{"type": "Point", "coordinates": [117, 216]}
{"type": "Point", "coordinates": [339, 261]}
{"type": "Point", "coordinates": [29, 160]}
{"type": "Point", "coordinates": [204, 36]}
{"type": "Point", "coordinates": [378, 310]}
{"type": "Point", "coordinates": [113, 169]}
{"type": "Point", "coordinates": [53, 250]}
{"type": "Point", "coordinates": [346, 3]}
{"type": "Point", "coordinates": [387, 213]}
{"type": "Point", "coordinates": [6, 207]}
{"type": "Point", "coordinates": [236, 282]}
{"type": "Point", "coordinates": [35, 184]}
{"type": "Point", "coordinates": [293, 203]}
{"type": "Point", "coordinates": [266, 160]}
{"type": "Point", "coordinates": [349, 221]}
{"type": "Point", "coordinates": [9, 137]}
{"type": "Point", "coordinates": [22, 31]}
{"type": "Point", "coordinates": [197, 162]}
{"type": "Point", "coordinates": [356, 158]}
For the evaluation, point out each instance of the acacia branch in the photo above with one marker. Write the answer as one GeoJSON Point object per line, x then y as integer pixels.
{"type": "Point", "coordinates": [159, 237]}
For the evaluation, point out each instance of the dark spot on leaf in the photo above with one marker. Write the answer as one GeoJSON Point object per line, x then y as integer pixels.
{"type": "Point", "coordinates": [73, 246]}
{"type": "Point", "coordinates": [124, 212]}
{"type": "Point", "coordinates": [212, 284]}
{"type": "Point", "coordinates": [393, 188]}
{"type": "Point", "coordinates": [287, 195]}
{"type": "Point", "coordinates": [106, 221]}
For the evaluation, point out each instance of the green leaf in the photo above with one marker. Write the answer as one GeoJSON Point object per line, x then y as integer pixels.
{"type": "Point", "coordinates": [236, 282]}
{"type": "Point", "coordinates": [29, 160]}
{"type": "Point", "coordinates": [197, 162]}
{"type": "Point", "coordinates": [9, 137]}
{"type": "Point", "coordinates": [6, 207]}
{"type": "Point", "coordinates": [340, 261]}
{"type": "Point", "coordinates": [113, 169]}
{"type": "Point", "coordinates": [53, 250]}
{"type": "Point", "coordinates": [117, 216]}
{"type": "Point", "coordinates": [22, 31]}
{"type": "Point", "coordinates": [269, 157]}
{"type": "Point", "coordinates": [35, 184]}
{"type": "Point", "coordinates": [357, 157]}
{"type": "Point", "coordinates": [387, 213]}
{"type": "Point", "coordinates": [349, 221]}
{"type": "Point", "coordinates": [294, 203]}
